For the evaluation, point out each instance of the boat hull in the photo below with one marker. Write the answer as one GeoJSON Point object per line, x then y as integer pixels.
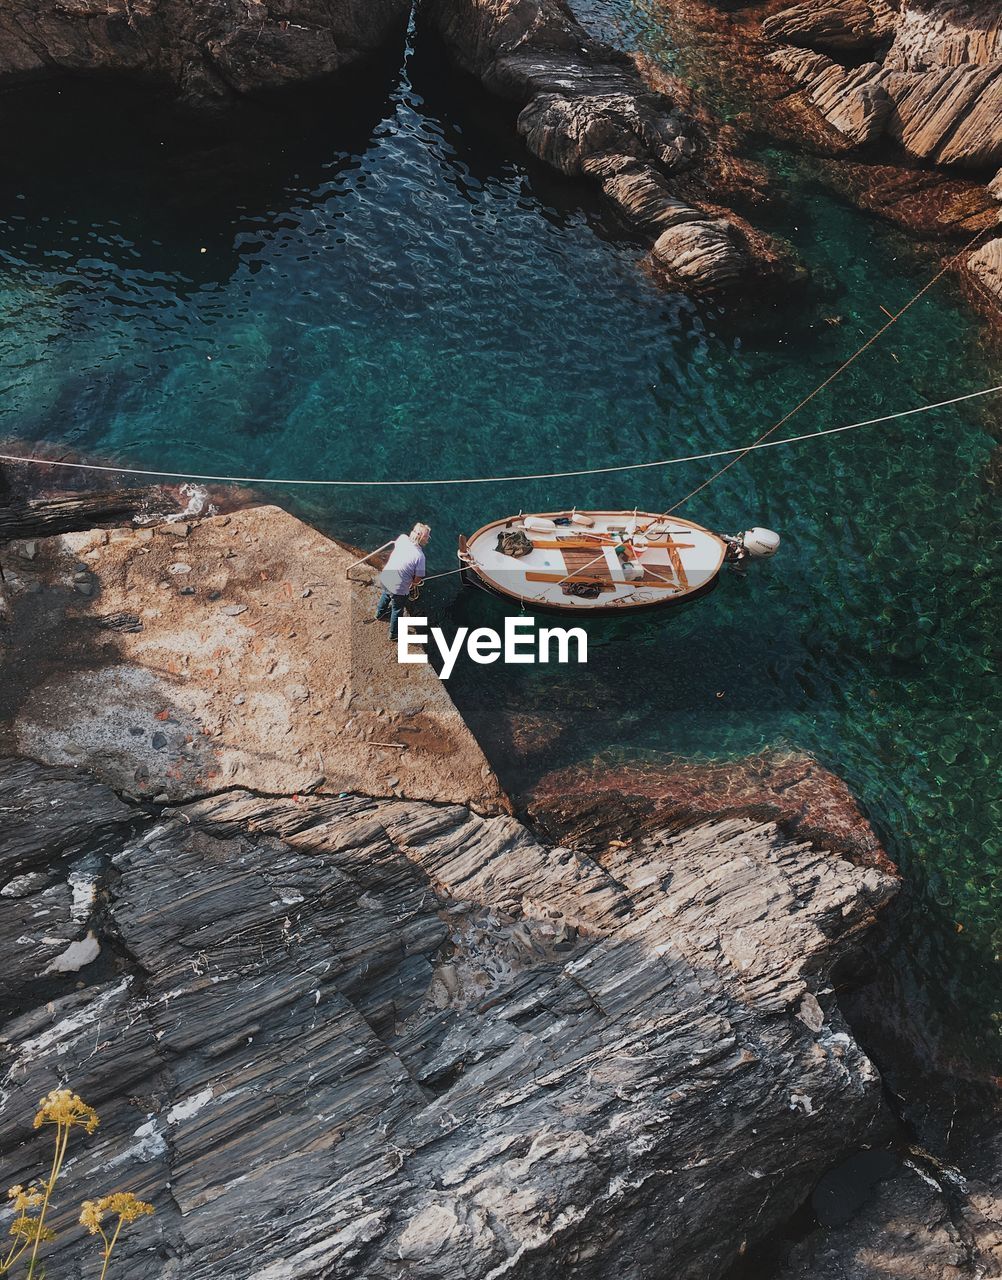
{"type": "Point", "coordinates": [470, 578]}
{"type": "Point", "coordinates": [625, 561]}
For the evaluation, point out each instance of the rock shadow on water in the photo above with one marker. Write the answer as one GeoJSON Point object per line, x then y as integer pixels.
{"type": "Point", "coordinates": [169, 180]}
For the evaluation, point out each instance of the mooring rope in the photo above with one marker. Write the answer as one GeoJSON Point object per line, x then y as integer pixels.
{"type": "Point", "coordinates": [879, 333]}
{"type": "Point", "coordinates": [741, 451]}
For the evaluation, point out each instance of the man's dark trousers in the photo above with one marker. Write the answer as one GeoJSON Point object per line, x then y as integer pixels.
{"type": "Point", "coordinates": [395, 605]}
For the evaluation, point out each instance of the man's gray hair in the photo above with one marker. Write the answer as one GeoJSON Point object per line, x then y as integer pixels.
{"type": "Point", "coordinates": [420, 532]}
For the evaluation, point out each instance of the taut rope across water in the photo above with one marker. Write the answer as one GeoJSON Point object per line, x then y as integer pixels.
{"type": "Point", "coordinates": [741, 451]}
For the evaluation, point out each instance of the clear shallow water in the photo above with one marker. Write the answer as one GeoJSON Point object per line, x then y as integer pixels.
{"type": "Point", "coordinates": [408, 295]}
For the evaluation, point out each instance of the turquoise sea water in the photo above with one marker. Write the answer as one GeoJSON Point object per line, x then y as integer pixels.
{"type": "Point", "coordinates": [392, 289]}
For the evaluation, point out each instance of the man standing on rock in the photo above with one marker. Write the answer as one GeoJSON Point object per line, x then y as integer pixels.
{"type": "Point", "coordinates": [404, 569]}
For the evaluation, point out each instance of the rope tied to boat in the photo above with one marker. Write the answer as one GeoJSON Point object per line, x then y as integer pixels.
{"type": "Point", "coordinates": [874, 337]}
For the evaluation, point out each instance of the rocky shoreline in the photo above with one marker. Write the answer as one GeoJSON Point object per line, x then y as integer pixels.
{"type": "Point", "coordinates": [932, 88]}
{"type": "Point", "coordinates": [334, 1026]}
{"type": "Point", "coordinates": [267, 904]}
{"type": "Point", "coordinates": [900, 101]}
{"type": "Point", "coordinates": [204, 55]}
{"type": "Point", "coordinates": [668, 169]}
{"type": "Point", "coordinates": [663, 163]}
{"type": "Point", "coordinates": [341, 1033]}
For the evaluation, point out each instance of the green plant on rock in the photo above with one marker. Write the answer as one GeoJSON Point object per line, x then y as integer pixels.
{"type": "Point", "coordinates": [66, 1111]}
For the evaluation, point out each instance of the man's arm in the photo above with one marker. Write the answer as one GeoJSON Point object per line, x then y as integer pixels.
{"type": "Point", "coordinates": [417, 570]}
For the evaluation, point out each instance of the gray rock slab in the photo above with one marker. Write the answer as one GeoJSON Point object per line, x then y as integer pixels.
{"type": "Point", "coordinates": [357, 1037]}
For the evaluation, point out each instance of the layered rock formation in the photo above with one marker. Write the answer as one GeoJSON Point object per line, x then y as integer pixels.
{"type": "Point", "coordinates": [937, 91]}
{"type": "Point", "coordinates": [205, 52]}
{"type": "Point", "coordinates": [340, 1037]}
{"type": "Point", "coordinates": [587, 111]}
{"type": "Point", "coordinates": [984, 267]}
{"type": "Point", "coordinates": [854, 101]}
{"type": "Point", "coordinates": [901, 100]}
{"type": "Point", "coordinates": [834, 26]}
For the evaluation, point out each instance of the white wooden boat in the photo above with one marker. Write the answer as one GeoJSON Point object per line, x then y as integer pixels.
{"type": "Point", "coordinates": [587, 561]}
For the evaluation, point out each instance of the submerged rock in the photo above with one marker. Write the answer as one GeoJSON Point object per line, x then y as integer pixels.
{"type": "Point", "coordinates": [589, 805]}
{"type": "Point", "coordinates": [350, 1036]}
{"type": "Point", "coordinates": [206, 52]}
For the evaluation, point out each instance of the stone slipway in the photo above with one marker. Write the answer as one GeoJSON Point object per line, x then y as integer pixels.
{"type": "Point", "coordinates": [185, 659]}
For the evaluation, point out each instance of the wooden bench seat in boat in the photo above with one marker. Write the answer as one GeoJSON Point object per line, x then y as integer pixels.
{"type": "Point", "coordinates": [583, 567]}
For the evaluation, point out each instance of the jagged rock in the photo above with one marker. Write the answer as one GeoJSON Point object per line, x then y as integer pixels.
{"type": "Point", "coordinates": [40, 517]}
{"type": "Point", "coordinates": [205, 52]}
{"type": "Point", "coordinates": [645, 199]}
{"type": "Point", "coordinates": [951, 115]}
{"type": "Point", "coordinates": [37, 831]}
{"type": "Point", "coordinates": [942, 75]}
{"type": "Point", "coordinates": [54, 825]}
{"type": "Point", "coordinates": [854, 102]}
{"type": "Point", "coordinates": [832, 25]}
{"type": "Point", "coordinates": [353, 1037]}
{"type": "Point", "coordinates": [916, 1227]}
{"type": "Point", "coordinates": [700, 251]}
{"type": "Point", "coordinates": [568, 133]}
{"type": "Point", "coordinates": [985, 265]}
{"type": "Point", "coordinates": [995, 187]}
{"type": "Point", "coordinates": [945, 33]}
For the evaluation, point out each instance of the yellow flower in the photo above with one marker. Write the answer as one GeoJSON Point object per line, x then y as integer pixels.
{"type": "Point", "coordinates": [90, 1216]}
{"type": "Point", "coordinates": [63, 1107]}
{"type": "Point", "coordinates": [127, 1206]}
{"type": "Point", "coordinates": [122, 1203]}
{"type": "Point", "coordinates": [22, 1200]}
{"type": "Point", "coordinates": [27, 1230]}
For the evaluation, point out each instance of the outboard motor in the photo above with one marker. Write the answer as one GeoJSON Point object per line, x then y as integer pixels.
{"type": "Point", "coordinates": [754, 543]}
{"type": "Point", "coordinates": [760, 542]}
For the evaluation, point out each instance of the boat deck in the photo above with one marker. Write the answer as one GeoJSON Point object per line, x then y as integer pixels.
{"type": "Point", "coordinates": [676, 557]}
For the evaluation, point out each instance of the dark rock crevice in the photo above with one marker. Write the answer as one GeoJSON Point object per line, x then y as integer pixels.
{"type": "Point", "coordinates": [205, 54]}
